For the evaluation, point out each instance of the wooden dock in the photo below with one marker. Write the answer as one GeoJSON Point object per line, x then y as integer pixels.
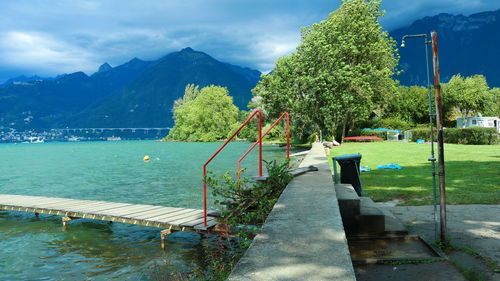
{"type": "Point", "coordinates": [169, 218]}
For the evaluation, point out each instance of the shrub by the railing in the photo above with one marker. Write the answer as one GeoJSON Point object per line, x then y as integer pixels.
{"type": "Point", "coordinates": [245, 205]}
{"type": "Point", "coordinates": [470, 135]}
{"type": "Point", "coordinates": [246, 202]}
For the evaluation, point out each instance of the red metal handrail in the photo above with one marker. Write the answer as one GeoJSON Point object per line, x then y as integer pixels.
{"type": "Point", "coordinates": [257, 111]}
{"type": "Point", "coordinates": [259, 141]}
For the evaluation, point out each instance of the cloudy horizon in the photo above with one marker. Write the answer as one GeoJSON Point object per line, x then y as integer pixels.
{"type": "Point", "coordinates": [70, 36]}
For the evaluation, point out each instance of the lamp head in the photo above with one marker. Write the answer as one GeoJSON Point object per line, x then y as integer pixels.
{"type": "Point", "coordinates": [403, 44]}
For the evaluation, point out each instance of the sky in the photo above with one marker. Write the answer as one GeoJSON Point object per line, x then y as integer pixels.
{"type": "Point", "coordinates": [47, 38]}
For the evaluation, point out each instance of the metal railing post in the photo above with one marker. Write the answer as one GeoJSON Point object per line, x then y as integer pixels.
{"type": "Point", "coordinates": [260, 148]}
{"type": "Point", "coordinates": [259, 141]}
{"type": "Point", "coordinates": [257, 111]}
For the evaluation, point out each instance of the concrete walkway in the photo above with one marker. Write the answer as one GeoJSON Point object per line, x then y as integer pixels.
{"type": "Point", "coordinates": [303, 237]}
{"type": "Point", "coordinates": [472, 226]}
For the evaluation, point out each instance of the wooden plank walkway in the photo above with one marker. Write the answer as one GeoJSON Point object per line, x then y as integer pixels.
{"type": "Point", "coordinates": [169, 218]}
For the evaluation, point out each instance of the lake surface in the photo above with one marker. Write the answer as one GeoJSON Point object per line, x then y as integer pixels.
{"type": "Point", "coordinates": [39, 249]}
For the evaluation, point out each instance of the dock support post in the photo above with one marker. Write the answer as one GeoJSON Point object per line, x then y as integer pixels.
{"type": "Point", "coordinates": [164, 234]}
{"type": "Point", "coordinates": [65, 220]}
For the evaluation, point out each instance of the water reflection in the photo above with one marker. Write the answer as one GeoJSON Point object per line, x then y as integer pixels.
{"type": "Point", "coordinates": [95, 250]}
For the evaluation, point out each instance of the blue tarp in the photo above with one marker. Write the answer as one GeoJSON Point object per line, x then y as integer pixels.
{"type": "Point", "coordinates": [382, 130]}
{"type": "Point", "coordinates": [365, 169]}
{"type": "Point", "coordinates": [390, 166]}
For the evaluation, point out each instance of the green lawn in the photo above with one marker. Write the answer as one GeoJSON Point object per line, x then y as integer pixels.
{"type": "Point", "coordinates": [472, 172]}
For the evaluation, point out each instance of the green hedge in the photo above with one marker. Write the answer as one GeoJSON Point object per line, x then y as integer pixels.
{"type": "Point", "coordinates": [470, 135]}
{"type": "Point", "coordinates": [361, 132]}
{"type": "Point", "coordinates": [395, 124]}
{"type": "Point", "coordinates": [421, 133]}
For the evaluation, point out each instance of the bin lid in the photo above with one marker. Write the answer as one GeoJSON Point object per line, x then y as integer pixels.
{"type": "Point", "coordinates": [347, 157]}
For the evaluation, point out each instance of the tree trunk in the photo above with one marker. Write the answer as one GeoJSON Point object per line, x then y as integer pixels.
{"type": "Point", "coordinates": [350, 127]}
{"type": "Point", "coordinates": [343, 130]}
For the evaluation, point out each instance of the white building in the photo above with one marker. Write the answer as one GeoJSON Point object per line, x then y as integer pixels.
{"type": "Point", "coordinates": [485, 122]}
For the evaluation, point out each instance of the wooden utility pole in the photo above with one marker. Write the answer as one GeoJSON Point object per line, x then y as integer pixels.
{"type": "Point", "coordinates": [439, 119]}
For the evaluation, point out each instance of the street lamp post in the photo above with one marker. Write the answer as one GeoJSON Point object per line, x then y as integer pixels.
{"type": "Point", "coordinates": [439, 122]}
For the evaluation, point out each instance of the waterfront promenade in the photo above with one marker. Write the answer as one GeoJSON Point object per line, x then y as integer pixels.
{"type": "Point", "coordinates": [303, 237]}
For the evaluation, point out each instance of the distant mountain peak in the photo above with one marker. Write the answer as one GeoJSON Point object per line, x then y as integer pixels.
{"type": "Point", "coordinates": [188, 49]}
{"type": "Point", "coordinates": [134, 62]}
{"type": "Point", "coordinates": [105, 67]}
{"type": "Point", "coordinates": [73, 76]}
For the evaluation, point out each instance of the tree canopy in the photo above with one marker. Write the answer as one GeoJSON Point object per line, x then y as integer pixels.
{"type": "Point", "coordinates": [190, 93]}
{"type": "Point", "coordinates": [410, 104]}
{"type": "Point", "coordinates": [340, 72]}
{"type": "Point", "coordinates": [207, 117]}
{"type": "Point", "coordinates": [468, 94]}
{"type": "Point", "coordinates": [493, 107]}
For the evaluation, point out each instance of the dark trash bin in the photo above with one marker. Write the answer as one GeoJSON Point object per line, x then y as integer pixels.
{"type": "Point", "coordinates": [349, 170]}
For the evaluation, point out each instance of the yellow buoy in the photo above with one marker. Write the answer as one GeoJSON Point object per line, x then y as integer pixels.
{"type": "Point", "coordinates": [146, 158]}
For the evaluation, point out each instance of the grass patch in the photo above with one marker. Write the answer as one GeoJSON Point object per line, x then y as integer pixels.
{"type": "Point", "coordinates": [470, 274]}
{"type": "Point", "coordinates": [491, 264]}
{"type": "Point", "coordinates": [472, 175]}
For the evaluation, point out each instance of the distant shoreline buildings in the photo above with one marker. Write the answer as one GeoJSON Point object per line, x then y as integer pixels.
{"type": "Point", "coordinates": [11, 135]}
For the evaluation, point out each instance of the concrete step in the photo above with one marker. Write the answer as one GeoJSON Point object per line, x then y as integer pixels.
{"type": "Point", "coordinates": [349, 205]}
{"type": "Point", "coordinates": [362, 217]}
{"type": "Point", "coordinates": [392, 225]}
{"type": "Point", "coordinates": [371, 219]}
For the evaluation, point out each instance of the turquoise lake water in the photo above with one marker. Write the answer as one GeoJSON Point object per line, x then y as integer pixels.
{"type": "Point", "coordinates": [39, 249]}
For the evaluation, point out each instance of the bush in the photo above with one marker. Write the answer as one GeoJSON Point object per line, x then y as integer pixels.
{"type": "Point", "coordinates": [380, 134]}
{"type": "Point", "coordinates": [394, 123]}
{"type": "Point", "coordinates": [422, 133]}
{"type": "Point", "coordinates": [470, 135]}
{"type": "Point", "coordinates": [247, 202]}
{"type": "Point", "coordinates": [361, 132]}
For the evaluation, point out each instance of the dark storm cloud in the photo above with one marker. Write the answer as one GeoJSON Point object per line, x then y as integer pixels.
{"type": "Point", "coordinates": [53, 37]}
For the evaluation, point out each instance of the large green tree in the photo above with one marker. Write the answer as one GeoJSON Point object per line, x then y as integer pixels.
{"type": "Point", "coordinates": [410, 104]}
{"type": "Point", "coordinates": [190, 93]}
{"type": "Point", "coordinates": [207, 117]}
{"type": "Point", "coordinates": [468, 94]}
{"type": "Point", "coordinates": [493, 107]}
{"type": "Point", "coordinates": [340, 72]}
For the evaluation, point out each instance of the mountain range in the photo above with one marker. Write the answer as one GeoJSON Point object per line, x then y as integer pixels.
{"type": "Point", "coordinates": [135, 94]}
{"type": "Point", "coordinates": [466, 44]}
{"type": "Point", "coordinates": [141, 93]}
